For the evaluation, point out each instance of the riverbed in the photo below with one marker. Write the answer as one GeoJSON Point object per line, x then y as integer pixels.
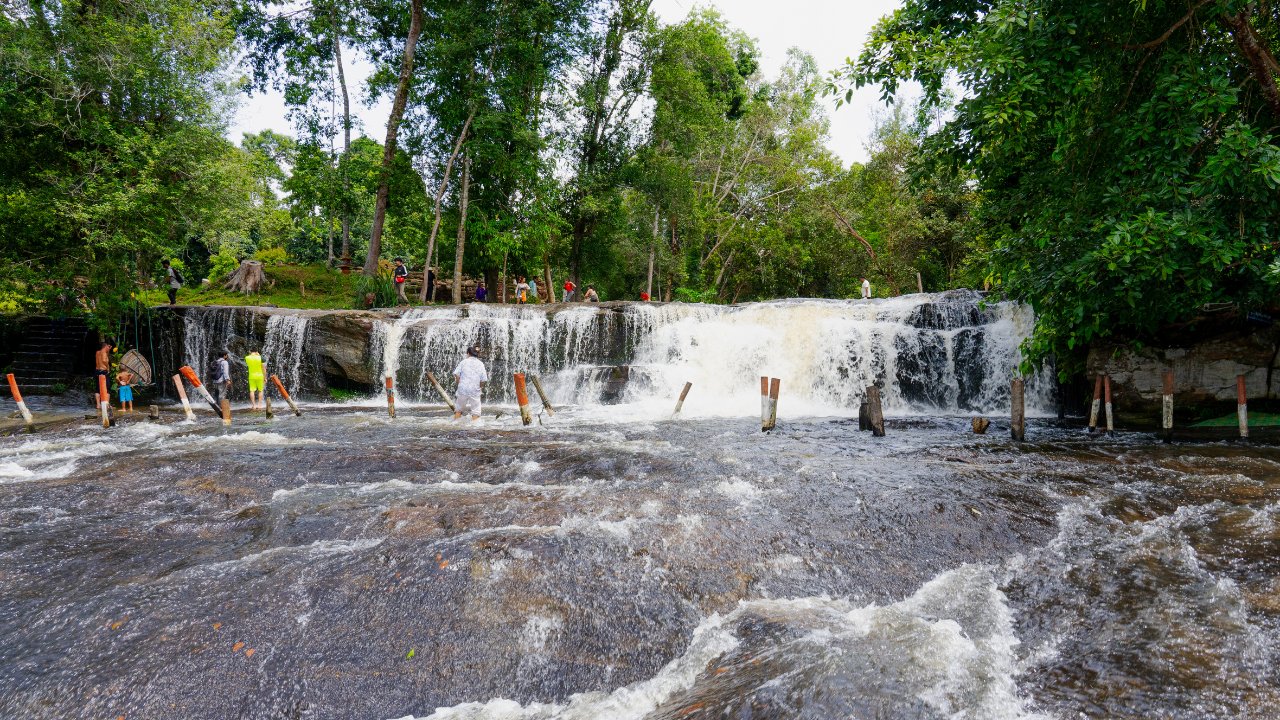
{"type": "Point", "coordinates": [613, 563]}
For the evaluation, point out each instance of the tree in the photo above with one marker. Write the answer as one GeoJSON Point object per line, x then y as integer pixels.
{"type": "Point", "coordinates": [1125, 153]}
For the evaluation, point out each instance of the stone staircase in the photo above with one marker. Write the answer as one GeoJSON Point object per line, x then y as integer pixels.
{"type": "Point", "coordinates": [51, 354]}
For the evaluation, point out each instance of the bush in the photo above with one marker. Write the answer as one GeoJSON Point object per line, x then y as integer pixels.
{"type": "Point", "coordinates": [272, 256]}
{"type": "Point", "coordinates": [382, 287]}
{"type": "Point", "coordinates": [222, 265]}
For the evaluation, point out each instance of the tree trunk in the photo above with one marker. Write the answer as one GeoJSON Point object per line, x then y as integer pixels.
{"type": "Point", "coordinates": [546, 275]}
{"type": "Point", "coordinates": [502, 281]}
{"type": "Point", "coordinates": [247, 279]}
{"type": "Point", "coordinates": [444, 183]}
{"type": "Point", "coordinates": [462, 232]}
{"type": "Point", "coordinates": [653, 249]}
{"type": "Point", "coordinates": [346, 146]}
{"type": "Point", "coordinates": [389, 149]}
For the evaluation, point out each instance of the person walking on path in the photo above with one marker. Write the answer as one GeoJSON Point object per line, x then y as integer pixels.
{"type": "Point", "coordinates": [866, 289]}
{"type": "Point", "coordinates": [591, 295]}
{"type": "Point", "coordinates": [481, 293]}
{"type": "Point", "coordinates": [533, 290]}
{"type": "Point", "coordinates": [470, 375]}
{"type": "Point", "coordinates": [257, 379]}
{"type": "Point", "coordinates": [522, 290]}
{"type": "Point", "coordinates": [569, 287]}
{"type": "Point", "coordinates": [125, 380]}
{"type": "Point", "coordinates": [102, 361]}
{"type": "Point", "coordinates": [173, 279]}
{"type": "Point", "coordinates": [222, 377]}
{"type": "Point", "coordinates": [401, 274]}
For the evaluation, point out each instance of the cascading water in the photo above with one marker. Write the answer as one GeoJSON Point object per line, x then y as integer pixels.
{"type": "Point", "coordinates": [285, 346]}
{"type": "Point", "coordinates": [941, 353]}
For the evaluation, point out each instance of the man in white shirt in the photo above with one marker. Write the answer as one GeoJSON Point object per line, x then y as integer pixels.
{"type": "Point", "coordinates": [866, 289]}
{"type": "Point", "coordinates": [470, 375]}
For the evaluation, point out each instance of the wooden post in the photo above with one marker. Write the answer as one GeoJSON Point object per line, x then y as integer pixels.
{"type": "Point", "coordinates": [1097, 402]}
{"type": "Point", "coordinates": [875, 413]}
{"type": "Point", "coordinates": [771, 420]}
{"type": "Point", "coordinates": [104, 405]}
{"type": "Point", "coordinates": [1242, 407]}
{"type": "Point", "coordinates": [1106, 393]}
{"type": "Point", "coordinates": [1166, 417]}
{"type": "Point", "coordinates": [226, 412]}
{"type": "Point", "coordinates": [194, 379]}
{"type": "Point", "coordinates": [182, 395]}
{"type": "Point", "coordinates": [864, 416]}
{"type": "Point", "coordinates": [391, 398]}
{"type": "Point", "coordinates": [266, 404]}
{"type": "Point", "coordinates": [546, 404]}
{"type": "Point", "coordinates": [153, 412]}
{"type": "Point", "coordinates": [444, 395]}
{"type": "Point", "coordinates": [919, 282]}
{"type": "Point", "coordinates": [285, 394]}
{"type": "Point", "coordinates": [522, 396]}
{"type": "Point", "coordinates": [22, 406]}
{"type": "Point", "coordinates": [683, 394]}
{"type": "Point", "coordinates": [980, 425]}
{"type": "Point", "coordinates": [1017, 410]}
{"type": "Point", "coordinates": [764, 403]}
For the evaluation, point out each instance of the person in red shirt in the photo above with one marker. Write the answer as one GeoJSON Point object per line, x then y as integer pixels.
{"type": "Point", "coordinates": [569, 287]}
{"type": "Point", "coordinates": [644, 296]}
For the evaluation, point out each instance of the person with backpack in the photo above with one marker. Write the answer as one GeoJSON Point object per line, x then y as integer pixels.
{"type": "Point", "coordinates": [174, 279]}
{"type": "Point", "coordinates": [222, 376]}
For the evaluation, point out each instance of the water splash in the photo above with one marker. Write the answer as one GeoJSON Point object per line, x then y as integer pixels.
{"type": "Point", "coordinates": [283, 352]}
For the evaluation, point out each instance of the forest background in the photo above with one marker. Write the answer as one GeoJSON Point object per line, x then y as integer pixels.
{"type": "Point", "coordinates": [1114, 164]}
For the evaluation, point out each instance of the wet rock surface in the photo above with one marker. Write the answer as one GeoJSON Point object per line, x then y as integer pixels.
{"type": "Point", "coordinates": [609, 563]}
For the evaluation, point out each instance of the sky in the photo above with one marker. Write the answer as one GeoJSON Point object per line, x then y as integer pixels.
{"type": "Point", "coordinates": [830, 30]}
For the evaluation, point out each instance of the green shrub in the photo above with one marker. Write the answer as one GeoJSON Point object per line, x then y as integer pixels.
{"type": "Point", "coordinates": [341, 394]}
{"type": "Point", "coordinates": [58, 389]}
{"type": "Point", "coordinates": [272, 256]}
{"type": "Point", "coordinates": [382, 287]}
{"type": "Point", "coordinates": [222, 265]}
{"type": "Point", "coordinates": [693, 295]}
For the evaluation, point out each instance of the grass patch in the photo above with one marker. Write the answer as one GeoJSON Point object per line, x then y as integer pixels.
{"type": "Point", "coordinates": [342, 395]}
{"type": "Point", "coordinates": [324, 289]}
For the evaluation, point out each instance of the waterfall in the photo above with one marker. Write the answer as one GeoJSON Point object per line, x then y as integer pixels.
{"type": "Point", "coordinates": [283, 351]}
{"type": "Point", "coordinates": [209, 331]}
{"type": "Point", "coordinates": [929, 353]}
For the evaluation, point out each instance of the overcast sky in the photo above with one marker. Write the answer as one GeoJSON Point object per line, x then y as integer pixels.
{"type": "Point", "coordinates": [830, 30]}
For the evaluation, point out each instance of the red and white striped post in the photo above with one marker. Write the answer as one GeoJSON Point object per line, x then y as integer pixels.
{"type": "Point", "coordinates": [285, 394]}
{"type": "Point", "coordinates": [683, 394]}
{"type": "Point", "coordinates": [1097, 402]}
{"type": "Point", "coordinates": [22, 406]}
{"type": "Point", "coordinates": [1106, 391]}
{"type": "Point", "coordinates": [1166, 417]}
{"type": "Point", "coordinates": [182, 395]}
{"type": "Point", "coordinates": [391, 398]}
{"type": "Point", "coordinates": [104, 404]}
{"type": "Point", "coordinates": [1242, 407]}
{"type": "Point", "coordinates": [194, 379]}
{"type": "Point", "coordinates": [522, 397]}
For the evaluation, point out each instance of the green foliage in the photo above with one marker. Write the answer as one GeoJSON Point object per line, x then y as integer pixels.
{"type": "Point", "coordinates": [223, 264]}
{"type": "Point", "coordinates": [382, 286]}
{"type": "Point", "coordinates": [272, 256]}
{"type": "Point", "coordinates": [1126, 154]}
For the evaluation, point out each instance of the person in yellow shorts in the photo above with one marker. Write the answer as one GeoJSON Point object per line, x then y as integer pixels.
{"type": "Point", "coordinates": [257, 379]}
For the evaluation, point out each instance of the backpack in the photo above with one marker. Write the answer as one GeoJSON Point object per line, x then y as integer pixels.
{"type": "Point", "coordinates": [177, 275]}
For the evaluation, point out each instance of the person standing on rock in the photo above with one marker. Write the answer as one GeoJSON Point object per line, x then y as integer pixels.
{"type": "Point", "coordinates": [102, 361]}
{"type": "Point", "coordinates": [533, 290]}
{"type": "Point", "coordinates": [569, 287]}
{"type": "Point", "coordinates": [257, 379]}
{"type": "Point", "coordinates": [866, 289]}
{"type": "Point", "coordinates": [522, 290]}
{"type": "Point", "coordinates": [222, 377]}
{"type": "Point", "coordinates": [481, 293]}
{"type": "Point", "coordinates": [470, 376]}
{"type": "Point", "coordinates": [173, 279]}
{"type": "Point", "coordinates": [401, 274]}
{"type": "Point", "coordinates": [125, 380]}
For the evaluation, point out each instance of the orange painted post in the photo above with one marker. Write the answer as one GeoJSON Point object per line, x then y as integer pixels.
{"type": "Point", "coordinates": [22, 406]}
{"type": "Point", "coordinates": [1242, 407]}
{"type": "Point", "coordinates": [285, 394]}
{"type": "Point", "coordinates": [182, 395]}
{"type": "Point", "coordinates": [683, 394]}
{"type": "Point", "coordinates": [522, 396]}
{"type": "Point", "coordinates": [1166, 417]}
{"type": "Point", "coordinates": [194, 379]}
{"type": "Point", "coordinates": [104, 405]}
{"type": "Point", "coordinates": [391, 398]}
{"type": "Point", "coordinates": [770, 420]}
{"type": "Point", "coordinates": [1106, 392]}
{"type": "Point", "coordinates": [1097, 402]}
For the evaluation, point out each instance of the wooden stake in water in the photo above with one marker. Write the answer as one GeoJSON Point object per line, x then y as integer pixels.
{"type": "Point", "coordinates": [153, 412]}
{"type": "Point", "coordinates": [1166, 417]}
{"type": "Point", "coordinates": [1017, 410]}
{"type": "Point", "coordinates": [1097, 402]}
{"type": "Point", "coordinates": [194, 379]}
{"type": "Point", "coordinates": [285, 394]}
{"type": "Point", "coordinates": [680, 402]}
{"type": "Point", "coordinates": [391, 398]}
{"type": "Point", "coordinates": [1242, 407]}
{"type": "Point", "coordinates": [546, 404]}
{"type": "Point", "coordinates": [266, 404]}
{"type": "Point", "coordinates": [1106, 392]}
{"type": "Point", "coordinates": [182, 395]}
{"type": "Point", "coordinates": [440, 389]}
{"type": "Point", "coordinates": [104, 405]}
{"type": "Point", "coordinates": [22, 406]}
{"type": "Point", "coordinates": [875, 413]}
{"type": "Point", "coordinates": [522, 396]}
{"type": "Point", "coordinates": [764, 402]}
{"type": "Point", "coordinates": [226, 412]}
{"type": "Point", "coordinates": [770, 419]}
